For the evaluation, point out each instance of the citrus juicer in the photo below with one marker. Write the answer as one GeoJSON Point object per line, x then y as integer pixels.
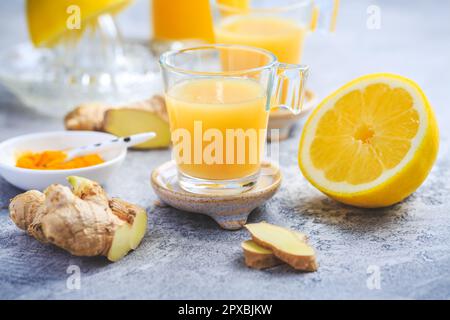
{"type": "Point", "coordinates": [92, 64]}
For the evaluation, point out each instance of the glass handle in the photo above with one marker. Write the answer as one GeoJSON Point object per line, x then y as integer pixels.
{"type": "Point", "coordinates": [324, 15]}
{"type": "Point", "coordinates": [290, 87]}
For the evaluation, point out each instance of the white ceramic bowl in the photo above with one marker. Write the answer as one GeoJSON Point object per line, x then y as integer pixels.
{"type": "Point", "coordinates": [28, 179]}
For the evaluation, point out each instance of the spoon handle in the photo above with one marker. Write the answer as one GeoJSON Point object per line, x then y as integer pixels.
{"type": "Point", "coordinates": [111, 144]}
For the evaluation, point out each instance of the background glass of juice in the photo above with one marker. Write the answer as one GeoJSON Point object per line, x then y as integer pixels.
{"type": "Point", "coordinates": [219, 110]}
{"type": "Point", "coordinates": [278, 26]}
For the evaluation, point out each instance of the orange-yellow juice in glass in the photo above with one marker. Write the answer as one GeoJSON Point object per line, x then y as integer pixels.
{"type": "Point", "coordinates": [277, 26]}
{"type": "Point", "coordinates": [220, 104]}
{"type": "Point", "coordinates": [182, 19]}
{"type": "Point", "coordinates": [218, 112]}
{"type": "Point", "coordinates": [278, 35]}
{"type": "Point", "coordinates": [281, 29]}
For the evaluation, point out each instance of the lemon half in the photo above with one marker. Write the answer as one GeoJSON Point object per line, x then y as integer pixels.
{"type": "Point", "coordinates": [49, 20]}
{"type": "Point", "coordinates": [371, 143]}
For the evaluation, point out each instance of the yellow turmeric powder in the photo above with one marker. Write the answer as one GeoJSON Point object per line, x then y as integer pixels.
{"type": "Point", "coordinates": [55, 160]}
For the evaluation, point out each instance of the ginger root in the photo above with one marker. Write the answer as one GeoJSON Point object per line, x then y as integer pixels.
{"type": "Point", "coordinates": [122, 121]}
{"type": "Point", "coordinates": [285, 244]}
{"type": "Point", "coordinates": [258, 257]}
{"type": "Point", "coordinates": [81, 220]}
{"type": "Point", "coordinates": [88, 116]}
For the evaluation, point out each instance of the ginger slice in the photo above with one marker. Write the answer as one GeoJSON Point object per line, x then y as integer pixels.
{"type": "Point", "coordinates": [258, 257]}
{"type": "Point", "coordinates": [149, 115]}
{"type": "Point", "coordinates": [136, 217]}
{"type": "Point", "coordinates": [80, 220]}
{"type": "Point", "coordinates": [122, 121]}
{"type": "Point", "coordinates": [285, 245]}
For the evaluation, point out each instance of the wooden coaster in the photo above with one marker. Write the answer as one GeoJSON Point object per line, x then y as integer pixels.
{"type": "Point", "coordinates": [284, 120]}
{"type": "Point", "coordinates": [229, 211]}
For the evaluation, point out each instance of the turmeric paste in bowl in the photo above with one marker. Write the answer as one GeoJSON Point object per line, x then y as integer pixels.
{"type": "Point", "coordinates": [55, 160]}
{"type": "Point", "coordinates": [32, 161]}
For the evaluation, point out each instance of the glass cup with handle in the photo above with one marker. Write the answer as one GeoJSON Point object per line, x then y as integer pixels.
{"type": "Point", "coordinates": [278, 26]}
{"type": "Point", "coordinates": [218, 100]}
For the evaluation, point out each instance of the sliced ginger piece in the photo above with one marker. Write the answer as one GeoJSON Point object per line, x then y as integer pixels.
{"type": "Point", "coordinates": [285, 245]}
{"type": "Point", "coordinates": [122, 121]}
{"type": "Point", "coordinates": [80, 220]}
{"type": "Point", "coordinates": [120, 243]}
{"type": "Point", "coordinates": [139, 118]}
{"type": "Point", "coordinates": [136, 217]}
{"type": "Point", "coordinates": [261, 258]}
{"type": "Point", "coordinates": [258, 257]}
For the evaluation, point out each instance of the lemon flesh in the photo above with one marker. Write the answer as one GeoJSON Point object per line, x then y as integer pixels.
{"type": "Point", "coordinates": [49, 20]}
{"type": "Point", "coordinates": [371, 143]}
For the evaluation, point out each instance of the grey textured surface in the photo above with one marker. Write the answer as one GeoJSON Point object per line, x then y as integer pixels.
{"type": "Point", "coordinates": [189, 256]}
